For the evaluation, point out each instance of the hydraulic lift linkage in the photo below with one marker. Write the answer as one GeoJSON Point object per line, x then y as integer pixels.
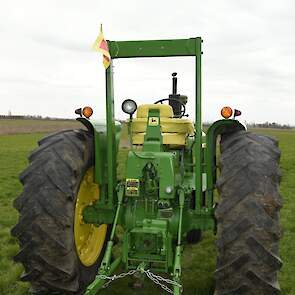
{"type": "Point", "coordinates": [107, 267]}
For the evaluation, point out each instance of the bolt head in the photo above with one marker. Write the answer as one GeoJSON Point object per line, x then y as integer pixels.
{"type": "Point", "coordinates": [169, 189]}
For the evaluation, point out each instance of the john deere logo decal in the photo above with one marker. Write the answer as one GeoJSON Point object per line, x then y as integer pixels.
{"type": "Point", "coordinates": [153, 121]}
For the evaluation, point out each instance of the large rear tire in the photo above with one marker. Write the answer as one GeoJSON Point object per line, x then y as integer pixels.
{"type": "Point", "coordinates": [46, 229]}
{"type": "Point", "coordinates": [248, 230]}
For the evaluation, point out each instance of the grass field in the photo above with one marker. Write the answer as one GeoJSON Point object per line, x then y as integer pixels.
{"type": "Point", "coordinates": [199, 260]}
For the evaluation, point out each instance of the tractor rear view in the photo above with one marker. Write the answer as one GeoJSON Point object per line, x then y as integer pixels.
{"type": "Point", "coordinates": [74, 198]}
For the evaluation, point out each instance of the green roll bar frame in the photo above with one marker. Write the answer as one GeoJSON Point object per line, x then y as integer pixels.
{"type": "Point", "coordinates": [152, 48]}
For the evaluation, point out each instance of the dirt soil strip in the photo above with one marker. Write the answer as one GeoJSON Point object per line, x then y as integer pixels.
{"type": "Point", "coordinates": [14, 126]}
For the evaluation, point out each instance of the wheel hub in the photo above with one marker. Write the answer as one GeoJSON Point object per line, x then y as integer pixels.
{"type": "Point", "coordinates": [89, 239]}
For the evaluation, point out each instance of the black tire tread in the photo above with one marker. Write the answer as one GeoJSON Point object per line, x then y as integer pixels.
{"type": "Point", "coordinates": [247, 215]}
{"type": "Point", "coordinates": [46, 207]}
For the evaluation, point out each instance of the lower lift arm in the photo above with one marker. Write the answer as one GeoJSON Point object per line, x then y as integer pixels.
{"type": "Point", "coordinates": [106, 268]}
{"type": "Point", "coordinates": [177, 261]}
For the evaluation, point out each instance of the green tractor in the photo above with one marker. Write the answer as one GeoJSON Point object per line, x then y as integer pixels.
{"type": "Point", "coordinates": [74, 196]}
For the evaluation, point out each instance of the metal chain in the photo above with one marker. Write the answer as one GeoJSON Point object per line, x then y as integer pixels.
{"type": "Point", "coordinates": [153, 277]}
{"type": "Point", "coordinates": [158, 279]}
{"type": "Point", "coordinates": [115, 277]}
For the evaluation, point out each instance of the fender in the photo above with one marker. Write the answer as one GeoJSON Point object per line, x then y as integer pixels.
{"type": "Point", "coordinates": [99, 132]}
{"type": "Point", "coordinates": [217, 128]}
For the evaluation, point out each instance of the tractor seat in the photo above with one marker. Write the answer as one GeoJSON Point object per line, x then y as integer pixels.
{"type": "Point", "coordinates": [174, 130]}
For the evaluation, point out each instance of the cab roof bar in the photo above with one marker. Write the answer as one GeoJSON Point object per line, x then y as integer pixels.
{"type": "Point", "coordinates": [155, 48]}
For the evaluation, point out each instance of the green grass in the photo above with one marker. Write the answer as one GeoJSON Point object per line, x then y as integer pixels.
{"type": "Point", "coordinates": [13, 159]}
{"type": "Point", "coordinates": [198, 260]}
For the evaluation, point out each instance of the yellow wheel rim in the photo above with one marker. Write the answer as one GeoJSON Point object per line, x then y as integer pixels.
{"type": "Point", "coordinates": [89, 239]}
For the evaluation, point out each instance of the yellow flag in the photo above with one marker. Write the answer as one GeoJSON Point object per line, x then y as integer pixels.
{"type": "Point", "coordinates": [101, 45]}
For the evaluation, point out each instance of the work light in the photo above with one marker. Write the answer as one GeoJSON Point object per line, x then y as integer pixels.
{"type": "Point", "coordinates": [129, 106]}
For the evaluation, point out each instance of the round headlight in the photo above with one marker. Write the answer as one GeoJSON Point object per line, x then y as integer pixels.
{"type": "Point", "coordinates": [129, 106]}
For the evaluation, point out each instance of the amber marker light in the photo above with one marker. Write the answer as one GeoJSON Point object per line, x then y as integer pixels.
{"type": "Point", "coordinates": [87, 112]}
{"type": "Point", "coordinates": [226, 112]}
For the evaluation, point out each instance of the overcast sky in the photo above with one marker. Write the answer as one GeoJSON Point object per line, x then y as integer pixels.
{"type": "Point", "coordinates": [47, 66]}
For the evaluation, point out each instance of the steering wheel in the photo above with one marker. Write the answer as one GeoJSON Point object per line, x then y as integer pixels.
{"type": "Point", "coordinates": [182, 112]}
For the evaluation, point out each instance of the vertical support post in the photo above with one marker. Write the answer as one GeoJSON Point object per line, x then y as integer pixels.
{"type": "Point", "coordinates": [198, 127]}
{"type": "Point", "coordinates": [111, 140]}
{"type": "Point", "coordinates": [177, 260]}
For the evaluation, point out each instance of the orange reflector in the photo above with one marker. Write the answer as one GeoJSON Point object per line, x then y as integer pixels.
{"type": "Point", "coordinates": [226, 112]}
{"type": "Point", "coordinates": [87, 112]}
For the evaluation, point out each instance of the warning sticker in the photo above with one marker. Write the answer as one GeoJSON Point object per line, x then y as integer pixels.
{"type": "Point", "coordinates": [132, 187]}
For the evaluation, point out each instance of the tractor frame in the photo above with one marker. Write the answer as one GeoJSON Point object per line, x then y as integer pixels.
{"type": "Point", "coordinates": [106, 141]}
